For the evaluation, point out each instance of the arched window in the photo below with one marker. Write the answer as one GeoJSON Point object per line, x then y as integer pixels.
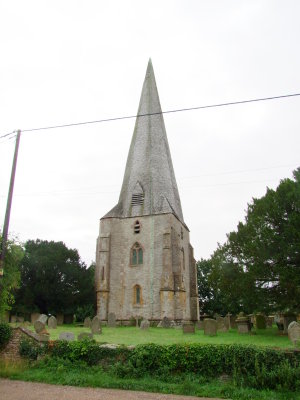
{"type": "Point", "coordinates": [136, 254]}
{"type": "Point", "coordinates": [137, 294]}
{"type": "Point", "coordinates": [137, 227]}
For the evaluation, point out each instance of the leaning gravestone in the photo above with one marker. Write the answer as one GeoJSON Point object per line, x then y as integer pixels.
{"type": "Point", "coordinates": [188, 327]}
{"type": "Point", "coordinates": [40, 323]}
{"type": "Point", "coordinates": [145, 324]}
{"type": "Point", "coordinates": [111, 320]}
{"type": "Point", "coordinates": [221, 325]}
{"type": "Point", "coordinates": [84, 335]}
{"type": "Point", "coordinates": [96, 326]}
{"type": "Point", "coordinates": [52, 322]}
{"type": "Point", "coordinates": [210, 327]}
{"type": "Point", "coordinates": [294, 333]}
{"type": "Point", "coordinates": [87, 322]}
{"type": "Point", "coordinates": [69, 336]}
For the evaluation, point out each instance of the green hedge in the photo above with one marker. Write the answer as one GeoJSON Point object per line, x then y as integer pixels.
{"type": "Point", "coordinates": [248, 365]}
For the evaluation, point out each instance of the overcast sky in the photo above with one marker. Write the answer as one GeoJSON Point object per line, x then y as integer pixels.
{"type": "Point", "coordinates": [65, 61]}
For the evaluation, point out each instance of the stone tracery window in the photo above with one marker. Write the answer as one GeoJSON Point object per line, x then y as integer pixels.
{"type": "Point", "coordinates": [136, 256]}
{"type": "Point", "coordinates": [137, 293]}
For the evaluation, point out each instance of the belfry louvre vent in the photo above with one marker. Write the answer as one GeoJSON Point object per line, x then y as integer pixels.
{"type": "Point", "coordinates": [137, 199]}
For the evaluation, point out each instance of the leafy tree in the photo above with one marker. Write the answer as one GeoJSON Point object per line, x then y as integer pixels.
{"type": "Point", "coordinates": [53, 279]}
{"type": "Point", "coordinates": [11, 277]}
{"type": "Point", "coordinates": [258, 268]}
{"type": "Point", "coordinates": [267, 245]}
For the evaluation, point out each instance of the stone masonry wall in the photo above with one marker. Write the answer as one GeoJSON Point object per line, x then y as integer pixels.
{"type": "Point", "coordinates": [11, 351]}
{"type": "Point", "coordinates": [166, 251]}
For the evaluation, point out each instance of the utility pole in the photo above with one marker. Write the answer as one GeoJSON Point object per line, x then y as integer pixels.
{"type": "Point", "coordinates": [8, 206]}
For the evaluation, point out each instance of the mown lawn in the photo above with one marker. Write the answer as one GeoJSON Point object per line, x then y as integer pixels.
{"type": "Point", "coordinates": [134, 336]}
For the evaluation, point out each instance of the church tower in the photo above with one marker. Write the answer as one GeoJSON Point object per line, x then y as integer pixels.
{"type": "Point", "coordinates": [144, 261]}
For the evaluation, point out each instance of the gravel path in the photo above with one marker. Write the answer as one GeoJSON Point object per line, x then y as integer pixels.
{"type": "Point", "coordinates": [16, 390]}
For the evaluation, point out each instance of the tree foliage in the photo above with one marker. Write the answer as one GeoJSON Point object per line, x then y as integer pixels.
{"type": "Point", "coordinates": [11, 277]}
{"type": "Point", "coordinates": [258, 268]}
{"type": "Point", "coordinates": [53, 279]}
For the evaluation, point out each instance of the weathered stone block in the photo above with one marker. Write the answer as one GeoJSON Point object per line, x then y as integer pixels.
{"type": "Point", "coordinates": [221, 325]}
{"type": "Point", "coordinates": [145, 324]}
{"type": "Point", "coordinates": [210, 327]}
{"type": "Point", "coordinates": [52, 322]}
{"type": "Point", "coordinates": [69, 336]}
{"type": "Point", "coordinates": [96, 326]}
{"type": "Point", "coordinates": [40, 323]}
{"type": "Point", "coordinates": [294, 333]}
{"type": "Point", "coordinates": [188, 327]}
{"type": "Point", "coordinates": [111, 320]}
{"type": "Point", "coordinates": [87, 322]}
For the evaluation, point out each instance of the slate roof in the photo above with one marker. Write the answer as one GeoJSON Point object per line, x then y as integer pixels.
{"type": "Point", "coordinates": [149, 173]}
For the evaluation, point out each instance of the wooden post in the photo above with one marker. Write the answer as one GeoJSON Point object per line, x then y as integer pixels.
{"type": "Point", "coordinates": [8, 206]}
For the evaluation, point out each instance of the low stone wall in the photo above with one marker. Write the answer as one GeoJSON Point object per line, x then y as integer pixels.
{"type": "Point", "coordinates": [11, 351]}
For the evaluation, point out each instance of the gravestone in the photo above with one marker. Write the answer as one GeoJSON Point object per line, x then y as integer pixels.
{"type": "Point", "coordinates": [96, 326]}
{"type": "Point", "coordinates": [69, 336]}
{"type": "Point", "coordinates": [233, 324]}
{"type": "Point", "coordinates": [40, 323]}
{"type": "Point", "coordinates": [227, 321]}
{"type": "Point", "coordinates": [52, 322]}
{"type": "Point", "coordinates": [60, 319]}
{"type": "Point", "coordinates": [210, 327]}
{"type": "Point", "coordinates": [221, 326]}
{"type": "Point", "coordinates": [200, 325]}
{"type": "Point", "coordinates": [87, 322]}
{"type": "Point", "coordinates": [34, 317]}
{"type": "Point", "coordinates": [294, 333]}
{"type": "Point", "coordinates": [84, 335]}
{"type": "Point", "coordinates": [243, 323]}
{"type": "Point", "coordinates": [188, 327]}
{"type": "Point", "coordinates": [260, 321]}
{"type": "Point", "coordinates": [111, 320]}
{"type": "Point", "coordinates": [145, 324]}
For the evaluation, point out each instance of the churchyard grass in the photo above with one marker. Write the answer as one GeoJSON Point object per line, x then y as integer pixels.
{"type": "Point", "coordinates": [133, 336]}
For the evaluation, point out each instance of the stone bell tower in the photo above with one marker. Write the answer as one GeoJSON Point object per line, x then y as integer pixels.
{"type": "Point", "coordinates": [144, 261]}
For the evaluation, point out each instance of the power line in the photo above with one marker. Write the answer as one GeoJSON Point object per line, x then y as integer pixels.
{"type": "Point", "coordinates": [157, 113]}
{"type": "Point", "coordinates": [8, 134]}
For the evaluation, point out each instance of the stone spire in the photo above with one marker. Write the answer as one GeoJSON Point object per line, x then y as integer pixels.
{"type": "Point", "coordinates": [149, 184]}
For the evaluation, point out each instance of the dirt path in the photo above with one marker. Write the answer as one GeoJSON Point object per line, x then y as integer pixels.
{"type": "Point", "coordinates": [17, 390]}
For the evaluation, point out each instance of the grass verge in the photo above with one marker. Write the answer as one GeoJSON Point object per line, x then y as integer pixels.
{"type": "Point", "coordinates": [64, 372]}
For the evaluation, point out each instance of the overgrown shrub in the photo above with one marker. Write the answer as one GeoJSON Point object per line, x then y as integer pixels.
{"type": "Point", "coordinates": [31, 350]}
{"type": "Point", "coordinates": [84, 311]}
{"type": "Point", "coordinates": [248, 365]}
{"type": "Point", "coordinates": [86, 350]}
{"type": "Point", "coordinates": [5, 334]}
